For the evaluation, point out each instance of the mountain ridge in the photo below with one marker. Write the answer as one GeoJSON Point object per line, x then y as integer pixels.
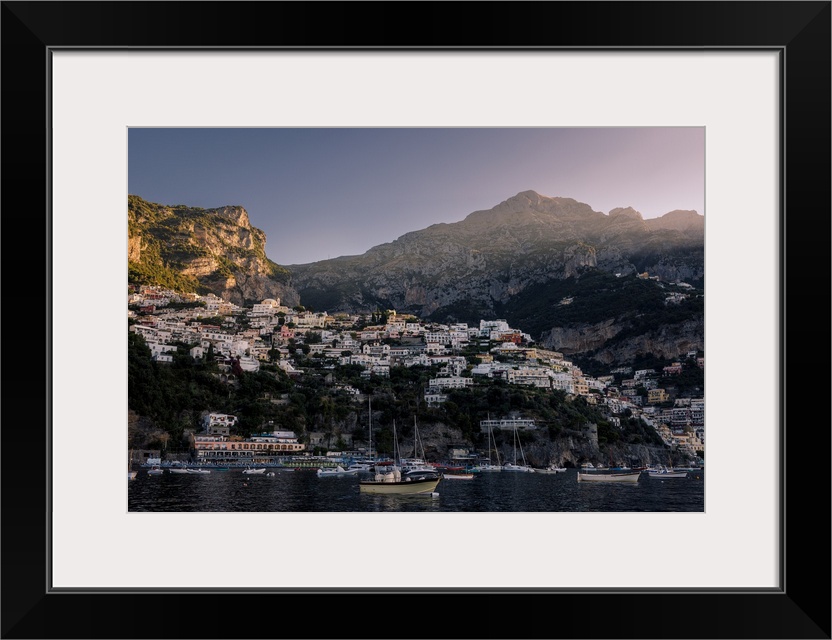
{"type": "Point", "coordinates": [559, 211]}
{"type": "Point", "coordinates": [525, 228]}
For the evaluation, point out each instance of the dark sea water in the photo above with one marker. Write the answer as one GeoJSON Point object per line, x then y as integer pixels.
{"type": "Point", "coordinates": [304, 491]}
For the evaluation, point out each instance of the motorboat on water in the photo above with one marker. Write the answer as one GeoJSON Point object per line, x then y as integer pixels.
{"type": "Point", "coordinates": [552, 468]}
{"type": "Point", "coordinates": [510, 466]}
{"type": "Point", "coordinates": [487, 466]}
{"type": "Point", "coordinates": [325, 472]}
{"type": "Point", "coordinates": [665, 472]}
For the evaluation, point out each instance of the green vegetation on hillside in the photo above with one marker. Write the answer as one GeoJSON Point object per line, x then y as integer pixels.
{"type": "Point", "coordinates": [174, 396]}
{"type": "Point", "coordinates": [169, 243]}
{"type": "Point", "coordinates": [154, 270]}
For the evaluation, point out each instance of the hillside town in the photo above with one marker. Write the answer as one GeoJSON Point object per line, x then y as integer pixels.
{"type": "Point", "coordinates": [242, 339]}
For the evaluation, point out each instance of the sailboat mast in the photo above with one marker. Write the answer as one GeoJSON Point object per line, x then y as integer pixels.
{"type": "Point", "coordinates": [494, 442]}
{"type": "Point", "coordinates": [418, 447]}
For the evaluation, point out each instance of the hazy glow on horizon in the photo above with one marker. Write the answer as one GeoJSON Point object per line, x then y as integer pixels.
{"type": "Point", "coordinates": [322, 193]}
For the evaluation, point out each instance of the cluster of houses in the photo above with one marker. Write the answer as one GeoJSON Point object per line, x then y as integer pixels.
{"type": "Point", "coordinates": [270, 332]}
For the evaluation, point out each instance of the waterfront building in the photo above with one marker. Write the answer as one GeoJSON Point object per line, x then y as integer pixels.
{"type": "Point", "coordinates": [261, 448]}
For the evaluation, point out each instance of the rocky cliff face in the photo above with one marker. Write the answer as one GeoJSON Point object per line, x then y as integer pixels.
{"type": "Point", "coordinates": [667, 341]}
{"type": "Point", "coordinates": [204, 250]}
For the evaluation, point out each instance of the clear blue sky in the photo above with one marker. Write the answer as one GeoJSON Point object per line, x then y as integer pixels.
{"type": "Point", "coordinates": [323, 193]}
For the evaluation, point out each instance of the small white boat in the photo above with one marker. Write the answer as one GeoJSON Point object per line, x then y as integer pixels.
{"type": "Point", "coordinates": [198, 472]}
{"type": "Point", "coordinates": [487, 466]}
{"type": "Point", "coordinates": [337, 471]}
{"type": "Point", "coordinates": [155, 470]}
{"type": "Point", "coordinates": [509, 466]}
{"type": "Point", "coordinates": [551, 469]}
{"type": "Point", "coordinates": [179, 470]}
{"type": "Point", "coordinates": [458, 476]}
{"type": "Point", "coordinates": [664, 472]}
{"type": "Point", "coordinates": [257, 471]}
{"type": "Point", "coordinates": [629, 476]}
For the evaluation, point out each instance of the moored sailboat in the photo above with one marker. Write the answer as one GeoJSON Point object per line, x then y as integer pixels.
{"type": "Point", "coordinates": [131, 473]}
{"type": "Point", "coordinates": [513, 466]}
{"type": "Point", "coordinates": [490, 466]}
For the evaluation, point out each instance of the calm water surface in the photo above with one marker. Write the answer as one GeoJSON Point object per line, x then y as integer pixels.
{"type": "Point", "coordinates": [298, 491]}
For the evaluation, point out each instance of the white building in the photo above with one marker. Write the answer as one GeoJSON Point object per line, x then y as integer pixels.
{"type": "Point", "coordinates": [451, 382]}
{"type": "Point", "coordinates": [218, 420]}
{"type": "Point", "coordinates": [434, 399]}
{"type": "Point", "coordinates": [489, 326]}
{"type": "Point", "coordinates": [507, 424]}
{"type": "Point", "coordinates": [267, 307]}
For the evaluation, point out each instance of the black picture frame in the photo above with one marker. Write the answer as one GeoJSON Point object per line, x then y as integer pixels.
{"type": "Point", "coordinates": [799, 31]}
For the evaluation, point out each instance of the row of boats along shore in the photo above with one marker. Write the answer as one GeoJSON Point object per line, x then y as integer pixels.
{"type": "Point", "coordinates": [398, 475]}
{"type": "Point", "coordinates": [415, 476]}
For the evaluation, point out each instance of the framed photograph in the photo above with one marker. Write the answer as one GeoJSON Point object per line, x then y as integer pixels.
{"type": "Point", "coordinates": [87, 84]}
{"type": "Point", "coordinates": [328, 336]}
